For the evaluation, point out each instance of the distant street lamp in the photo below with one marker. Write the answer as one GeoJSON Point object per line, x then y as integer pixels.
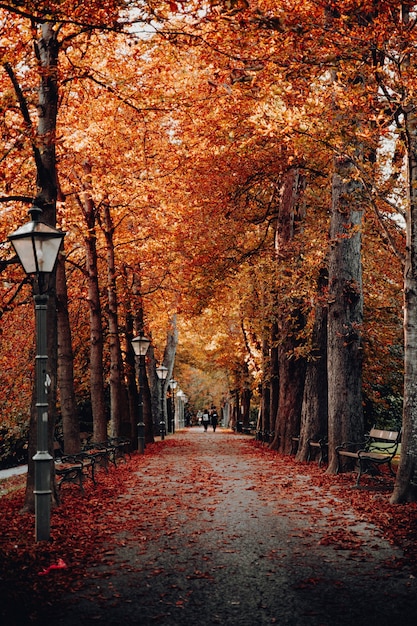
{"type": "Point", "coordinates": [140, 345]}
{"type": "Point", "coordinates": [162, 373]}
{"type": "Point", "coordinates": [172, 385]}
{"type": "Point", "coordinates": [37, 245]}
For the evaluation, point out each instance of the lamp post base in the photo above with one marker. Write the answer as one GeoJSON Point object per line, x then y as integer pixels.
{"type": "Point", "coordinates": [42, 494]}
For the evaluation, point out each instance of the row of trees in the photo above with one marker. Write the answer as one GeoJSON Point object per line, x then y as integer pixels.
{"type": "Point", "coordinates": [248, 168]}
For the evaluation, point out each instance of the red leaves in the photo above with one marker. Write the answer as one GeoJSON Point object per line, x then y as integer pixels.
{"type": "Point", "coordinates": [143, 507]}
{"type": "Point", "coordinates": [342, 540]}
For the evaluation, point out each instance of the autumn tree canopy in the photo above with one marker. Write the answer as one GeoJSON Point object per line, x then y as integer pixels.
{"type": "Point", "coordinates": [196, 151]}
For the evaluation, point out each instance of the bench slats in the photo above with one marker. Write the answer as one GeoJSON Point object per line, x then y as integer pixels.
{"type": "Point", "coordinates": [380, 448]}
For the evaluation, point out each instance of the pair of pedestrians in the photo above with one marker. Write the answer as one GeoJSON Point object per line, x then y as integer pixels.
{"type": "Point", "coordinates": [210, 418]}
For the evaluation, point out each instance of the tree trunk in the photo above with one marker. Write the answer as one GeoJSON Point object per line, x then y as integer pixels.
{"type": "Point", "coordinates": [70, 421]}
{"type": "Point", "coordinates": [246, 395]}
{"type": "Point", "coordinates": [406, 481]}
{"type": "Point", "coordinates": [274, 382]}
{"type": "Point", "coordinates": [345, 311]}
{"type": "Point", "coordinates": [116, 365]}
{"type": "Point", "coordinates": [314, 407]}
{"type": "Point", "coordinates": [265, 421]}
{"type": "Point", "coordinates": [291, 386]}
{"type": "Point", "coordinates": [130, 429]}
{"type": "Point", "coordinates": [98, 404]}
{"type": "Point", "coordinates": [290, 319]}
{"type": "Point", "coordinates": [169, 361]}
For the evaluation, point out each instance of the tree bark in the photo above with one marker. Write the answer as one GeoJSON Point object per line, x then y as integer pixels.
{"type": "Point", "coordinates": [314, 408]}
{"type": "Point", "coordinates": [345, 311]}
{"type": "Point", "coordinates": [405, 488]}
{"type": "Point", "coordinates": [70, 421]}
{"type": "Point", "coordinates": [290, 320]}
{"type": "Point", "coordinates": [274, 380]}
{"type": "Point", "coordinates": [265, 421]}
{"type": "Point", "coordinates": [169, 361]}
{"type": "Point", "coordinates": [116, 365]}
{"type": "Point", "coordinates": [98, 404]}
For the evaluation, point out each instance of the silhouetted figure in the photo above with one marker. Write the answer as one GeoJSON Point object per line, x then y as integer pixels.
{"type": "Point", "coordinates": [214, 419]}
{"type": "Point", "coordinates": [205, 419]}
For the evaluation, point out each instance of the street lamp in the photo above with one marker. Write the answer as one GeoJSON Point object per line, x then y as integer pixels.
{"type": "Point", "coordinates": [162, 373]}
{"type": "Point", "coordinates": [37, 245]}
{"type": "Point", "coordinates": [140, 345]}
{"type": "Point", "coordinates": [172, 385]}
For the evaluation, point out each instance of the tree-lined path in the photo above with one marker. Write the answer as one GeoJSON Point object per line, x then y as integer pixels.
{"type": "Point", "coordinates": [212, 530]}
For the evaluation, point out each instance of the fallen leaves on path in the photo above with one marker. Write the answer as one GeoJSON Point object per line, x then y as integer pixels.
{"type": "Point", "coordinates": [87, 531]}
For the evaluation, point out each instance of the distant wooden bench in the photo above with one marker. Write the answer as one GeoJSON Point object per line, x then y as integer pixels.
{"type": "Point", "coordinates": [379, 448]}
{"type": "Point", "coordinates": [109, 451]}
{"type": "Point", "coordinates": [295, 442]}
{"type": "Point", "coordinates": [318, 445]}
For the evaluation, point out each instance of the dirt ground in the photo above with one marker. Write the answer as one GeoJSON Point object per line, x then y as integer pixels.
{"type": "Point", "coordinates": [212, 532]}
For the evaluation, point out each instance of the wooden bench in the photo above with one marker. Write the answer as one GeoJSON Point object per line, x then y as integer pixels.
{"type": "Point", "coordinates": [295, 442]}
{"type": "Point", "coordinates": [109, 451]}
{"type": "Point", "coordinates": [121, 447]}
{"type": "Point", "coordinates": [379, 448]}
{"type": "Point", "coordinates": [73, 468]}
{"type": "Point", "coordinates": [316, 445]}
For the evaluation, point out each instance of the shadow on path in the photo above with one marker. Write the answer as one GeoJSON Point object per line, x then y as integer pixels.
{"type": "Point", "coordinates": [211, 533]}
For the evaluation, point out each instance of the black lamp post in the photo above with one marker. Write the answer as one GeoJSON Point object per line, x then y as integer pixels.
{"type": "Point", "coordinates": [173, 385]}
{"type": "Point", "coordinates": [140, 345]}
{"type": "Point", "coordinates": [37, 245]}
{"type": "Point", "coordinates": [162, 373]}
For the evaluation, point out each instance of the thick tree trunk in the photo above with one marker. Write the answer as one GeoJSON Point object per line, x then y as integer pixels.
{"type": "Point", "coordinates": [314, 408]}
{"type": "Point", "coordinates": [98, 404]}
{"type": "Point", "coordinates": [70, 421]}
{"type": "Point", "coordinates": [116, 366]}
{"type": "Point", "coordinates": [291, 387]}
{"type": "Point", "coordinates": [406, 481]}
{"type": "Point", "coordinates": [290, 320]}
{"type": "Point", "coordinates": [345, 311]}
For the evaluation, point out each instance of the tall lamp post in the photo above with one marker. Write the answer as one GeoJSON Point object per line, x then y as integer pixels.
{"type": "Point", "coordinates": [140, 345]}
{"type": "Point", "coordinates": [162, 373]}
{"type": "Point", "coordinates": [37, 245]}
{"type": "Point", "coordinates": [173, 385]}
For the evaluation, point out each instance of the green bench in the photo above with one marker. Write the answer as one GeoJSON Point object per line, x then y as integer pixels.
{"type": "Point", "coordinates": [379, 448]}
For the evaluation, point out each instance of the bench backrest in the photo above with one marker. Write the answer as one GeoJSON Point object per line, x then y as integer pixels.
{"type": "Point", "coordinates": [384, 435]}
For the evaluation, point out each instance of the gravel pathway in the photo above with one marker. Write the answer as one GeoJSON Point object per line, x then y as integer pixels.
{"type": "Point", "coordinates": [222, 537]}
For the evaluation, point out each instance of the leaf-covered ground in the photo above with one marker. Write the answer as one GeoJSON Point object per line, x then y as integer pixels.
{"type": "Point", "coordinates": [213, 529]}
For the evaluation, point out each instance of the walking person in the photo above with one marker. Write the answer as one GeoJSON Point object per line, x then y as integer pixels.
{"type": "Point", "coordinates": [205, 419]}
{"type": "Point", "coordinates": [214, 419]}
